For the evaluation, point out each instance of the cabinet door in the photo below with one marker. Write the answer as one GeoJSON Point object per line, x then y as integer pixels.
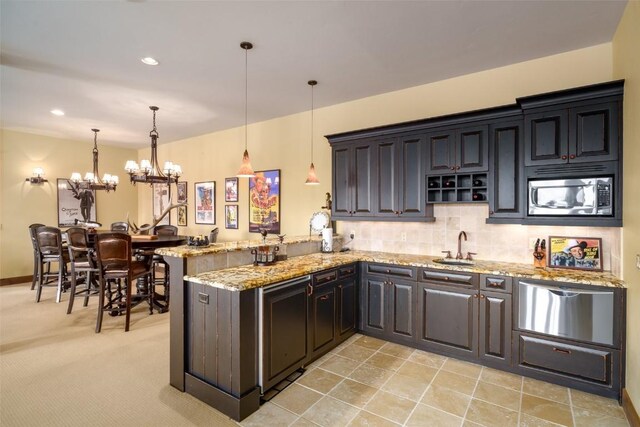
{"type": "Point", "coordinates": [495, 326]}
{"type": "Point", "coordinates": [285, 331]}
{"type": "Point", "coordinates": [546, 138]}
{"type": "Point", "coordinates": [472, 149]}
{"type": "Point", "coordinates": [342, 190]}
{"type": "Point", "coordinates": [593, 133]}
{"type": "Point", "coordinates": [347, 307]}
{"type": "Point", "coordinates": [448, 319]}
{"type": "Point", "coordinates": [372, 307]}
{"type": "Point", "coordinates": [364, 179]}
{"type": "Point", "coordinates": [411, 168]}
{"type": "Point", "coordinates": [387, 177]}
{"type": "Point", "coordinates": [506, 171]}
{"type": "Point", "coordinates": [322, 319]}
{"type": "Point", "coordinates": [402, 309]}
{"type": "Point", "coordinates": [442, 151]}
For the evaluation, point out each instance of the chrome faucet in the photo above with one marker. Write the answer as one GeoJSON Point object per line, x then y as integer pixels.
{"type": "Point", "coordinates": [459, 254]}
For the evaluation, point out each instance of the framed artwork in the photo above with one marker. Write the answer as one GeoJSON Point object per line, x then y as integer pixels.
{"type": "Point", "coordinates": [182, 216]}
{"type": "Point", "coordinates": [579, 253]}
{"type": "Point", "coordinates": [161, 202]}
{"type": "Point", "coordinates": [182, 191]}
{"type": "Point", "coordinates": [231, 189]}
{"type": "Point", "coordinates": [205, 193]}
{"type": "Point", "coordinates": [264, 202]}
{"type": "Point", "coordinates": [231, 216]}
{"type": "Point", "coordinates": [75, 204]}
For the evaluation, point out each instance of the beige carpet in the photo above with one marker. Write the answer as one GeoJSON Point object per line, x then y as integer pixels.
{"type": "Point", "coordinates": [56, 371]}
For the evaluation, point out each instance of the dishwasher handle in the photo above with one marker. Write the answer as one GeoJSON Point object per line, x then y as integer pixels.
{"type": "Point", "coordinates": [563, 291]}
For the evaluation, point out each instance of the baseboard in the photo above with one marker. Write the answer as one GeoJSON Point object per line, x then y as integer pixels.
{"type": "Point", "coordinates": [629, 410]}
{"type": "Point", "coordinates": [15, 280]}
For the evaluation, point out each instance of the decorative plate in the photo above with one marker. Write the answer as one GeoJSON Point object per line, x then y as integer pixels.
{"type": "Point", "coordinates": [319, 221]}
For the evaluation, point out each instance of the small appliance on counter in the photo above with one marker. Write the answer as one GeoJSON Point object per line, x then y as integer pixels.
{"type": "Point", "coordinates": [265, 254]}
{"type": "Point", "coordinates": [282, 252]}
{"type": "Point", "coordinates": [199, 241]}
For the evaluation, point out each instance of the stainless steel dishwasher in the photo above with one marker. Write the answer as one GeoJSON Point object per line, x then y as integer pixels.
{"type": "Point", "coordinates": [579, 314]}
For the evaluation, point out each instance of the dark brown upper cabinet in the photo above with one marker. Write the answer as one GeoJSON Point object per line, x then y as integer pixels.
{"type": "Point", "coordinates": [354, 180]}
{"type": "Point", "coordinates": [573, 126]}
{"type": "Point", "coordinates": [458, 150]}
{"type": "Point", "coordinates": [400, 176]}
{"type": "Point", "coordinates": [506, 191]}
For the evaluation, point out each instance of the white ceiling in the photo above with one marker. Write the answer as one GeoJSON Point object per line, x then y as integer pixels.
{"type": "Point", "coordinates": [84, 56]}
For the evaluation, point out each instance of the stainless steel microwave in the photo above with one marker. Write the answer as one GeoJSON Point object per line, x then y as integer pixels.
{"type": "Point", "coordinates": [571, 197]}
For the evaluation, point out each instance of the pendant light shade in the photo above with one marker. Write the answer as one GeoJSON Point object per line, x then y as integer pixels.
{"type": "Point", "coordinates": [312, 178]}
{"type": "Point", "coordinates": [245, 171]}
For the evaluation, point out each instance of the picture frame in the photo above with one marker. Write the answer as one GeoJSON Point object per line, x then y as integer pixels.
{"type": "Point", "coordinates": [161, 202]}
{"type": "Point", "coordinates": [264, 202]}
{"type": "Point", "coordinates": [231, 189]}
{"type": "Point", "coordinates": [75, 204]}
{"type": "Point", "coordinates": [575, 253]}
{"type": "Point", "coordinates": [231, 216]}
{"type": "Point", "coordinates": [205, 202]}
{"type": "Point", "coordinates": [182, 215]}
{"type": "Point", "coordinates": [182, 191]}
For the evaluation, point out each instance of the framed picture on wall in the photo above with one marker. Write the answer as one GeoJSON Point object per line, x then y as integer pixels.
{"type": "Point", "coordinates": [231, 189]}
{"type": "Point", "coordinates": [182, 191]}
{"type": "Point", "coordinates": [231, 216]}
{"type": "Point", "coordinates": [205, 202]}
{"type": "Point", "coordinates": [578, 253]}
{"type": "Point", "coordinates": [264, 202]}
{"type": "Point", "coordinates": [75, 204]}
{"type": "Point", "coordinates": [182, 216]}
{"type": "Point", "coordinates": [161, 202]}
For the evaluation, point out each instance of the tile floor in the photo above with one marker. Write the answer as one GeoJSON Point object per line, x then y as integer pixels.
{"type": "Point", "coordinates": [369, 382]}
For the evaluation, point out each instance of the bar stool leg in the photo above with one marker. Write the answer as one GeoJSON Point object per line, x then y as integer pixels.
{"type": "Point", "coordinates": [35, 271]}
{"type": "Point", "coordinates": [40, 274]}
{"type": "Point", "coordinates": [72, 294]}
{"type": "Point", "coordinates": [60, 276]}
{"type": "Point", "coordinates": [128, 302]}
{"type": "Point", "coordinates": [100, 305]}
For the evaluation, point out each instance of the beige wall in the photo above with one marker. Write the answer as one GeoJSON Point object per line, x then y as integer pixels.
{"type": "Point", "coordinates": [626, 65]}
{"type": "Point", "coordinates": [22, 204]}
{"type": "Point", "coordinates": [284, 142]}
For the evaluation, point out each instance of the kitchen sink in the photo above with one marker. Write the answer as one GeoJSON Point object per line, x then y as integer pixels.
{"type": "Point", "coordinates": [453, 261]}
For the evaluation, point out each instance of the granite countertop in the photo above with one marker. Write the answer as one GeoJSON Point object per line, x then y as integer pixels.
{"type": "Point", "coordinates": [250, 277]}
{"type": "Point", "coordinates": [186, 251]}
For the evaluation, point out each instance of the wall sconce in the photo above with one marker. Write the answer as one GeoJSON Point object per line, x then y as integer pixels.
{"type": "Point", "coordinates": [37, 177]}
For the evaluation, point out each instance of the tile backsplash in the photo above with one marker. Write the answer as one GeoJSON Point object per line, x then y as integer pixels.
{"type": "Point", "coordinates": [496, 242]}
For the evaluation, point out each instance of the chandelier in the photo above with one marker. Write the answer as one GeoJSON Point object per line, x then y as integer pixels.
{"type": "Point", "coordinates": [149, 172]}
{"type": "Point", "coordinates": [92, 180]}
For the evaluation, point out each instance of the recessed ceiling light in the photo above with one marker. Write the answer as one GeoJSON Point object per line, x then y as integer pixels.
{"type": "Point", "coordinates": [149, 61]}
{"type": "Point", "coordinates": [57, 112]}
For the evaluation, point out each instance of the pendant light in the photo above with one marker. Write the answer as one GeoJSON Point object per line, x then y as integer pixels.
{"type": "Point", "coordinates": [312, 179]}
{"type": "Point", "coordinates": [245, 171]}
{"type": "Point", "coordinates": [92, 180]}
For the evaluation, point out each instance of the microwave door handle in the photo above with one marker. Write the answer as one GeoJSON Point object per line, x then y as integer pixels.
{"type": "Point", "coordinates": [534, 196]}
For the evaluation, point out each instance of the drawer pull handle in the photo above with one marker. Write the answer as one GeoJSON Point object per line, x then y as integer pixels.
{"type": "Point", "coordinates": [561, 350]}
{"type": "Point", "coordinates": [446, 277]}
{"type": "Point", "coordinates": [388, 271]}
{"type": "Point", "coordinates": [349, 271]}
{"type": "Point", "coordinates": [324, 297]}
{"type": "Point", "coordinates": [203, 298]}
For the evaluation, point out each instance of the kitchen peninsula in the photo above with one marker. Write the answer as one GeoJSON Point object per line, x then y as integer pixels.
{"type": "Point", "coordinates": [224, 322]}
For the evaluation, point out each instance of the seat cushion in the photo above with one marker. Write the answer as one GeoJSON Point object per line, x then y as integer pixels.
{"type": "Point", "coordinates": [139, 268]}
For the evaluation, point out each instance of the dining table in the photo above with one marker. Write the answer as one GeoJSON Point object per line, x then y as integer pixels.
{"type": "Point", "coordinates": [143, 247]}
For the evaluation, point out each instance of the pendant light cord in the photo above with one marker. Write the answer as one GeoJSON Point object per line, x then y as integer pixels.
{"type": "Point", "coordinates": [246, 91]}
{"type": "Point", "coordinates": [312, 123]}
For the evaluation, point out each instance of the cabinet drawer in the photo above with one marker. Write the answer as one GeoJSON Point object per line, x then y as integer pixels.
{"type": "Point", "coordinates": [346, 271]}
{"type": "Point", "coordinates": [496, 283]}
{"type": "Point", "coordinates": [325, 277]}
{"type": "Point", "coordinates": [449, 277]}
{"type": "Point", "coordinates": [391, 270]}
{"type": "Point", "coordinates": [593, 364]}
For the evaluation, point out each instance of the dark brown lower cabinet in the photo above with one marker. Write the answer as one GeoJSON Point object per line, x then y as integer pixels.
{"type": "Point", "coordinates": [347, 291]}
{"type": "Point", "coordinates": [322, 319]}
{"type": "Point", "coordinates": [448, 319]}
{"type": "Point", "coordinates": [388, 308]}
{"type": "Point", "coordinates": [495, 327]}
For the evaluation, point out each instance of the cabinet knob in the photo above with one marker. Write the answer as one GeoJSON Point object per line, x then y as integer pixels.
{"type": "Point", "coordinates": [446, 278]}
{"type": "Point", "coordinates": [388, 271]}
{"type": "Point", "coordinates": [475, 295]}
{"type": "Point", "coordinates": [457, 168]}
{"type": "Point", "coordinates": [491, 212]}
{"type": "Point", "coordinates": [572, 156]}
{"type": "Point", "coordinates": [482, 296]}
{"type": "Point", "coordinates": [564, 157]}
{"type": "Point", "coordinates": [453, 168]}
